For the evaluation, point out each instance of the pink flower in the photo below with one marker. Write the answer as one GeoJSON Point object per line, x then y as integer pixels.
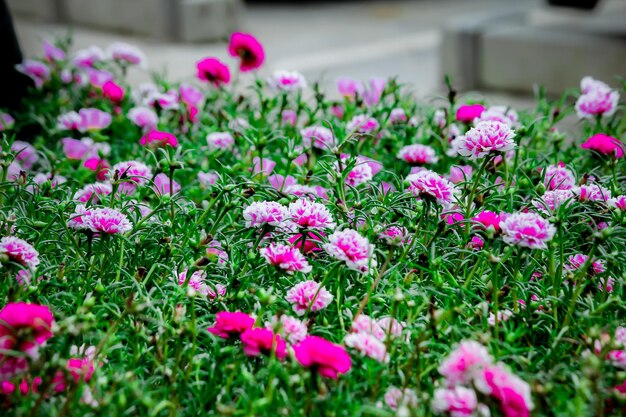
{"type": "Point", "coordinates": [289, 117]}
{"type": "Point", "coordinates": [52, 53]}
{"type": "Point", "coordinates": [98, 165]}
{"type": "Point", "coordinates": [87, 58]}
{"type": "Point", "coordinates": [362, 124]}
{"type": "Point", "coordinates": [97, 78]}
{"type": "Point", "coordinates": [327, 358]}
{"type": "Point", "coordinates": [163, 185]}
{"type": "Point", "coordinates": [486, 138]}
{"type": "Point", "coordinates": [80, 368]}
{"type": "Point", "coordinates": [310, 245]}
{"type": "Point", "coordinates": [618, 202]}
{"type": "Point", "coordinates": [213, 71]}
{"type": "Point", "coordinates": [292, 329]}
{"type": "Point", "coordinates": [248, 49]}
{"type": "Point", "coordinates": [464, 361]}
{"type": "Point", "coordinates": [338, 111]}
{"type": "Point", "coordinates": [75, 149]}
{"type": "Point", "coordinates": [429, 184]}
{"type": "Point", "coordinates": [220, 141]}
{"type": "Point", "coordinates": [6, 121]}
{"type": "Point", "coordinates": [19, 251]}
{"type": "Point", "coordinates": [25, 154]}
{"type": "Point", "coordinates": [197, 281]}
{"type": "Point", "coordinates": [287, 81]}
{"type": "Point", "coordinates": [395, 397]}
{"type": "Point", "coordinates": [604, 144]}
{"type": "Point", "coordinates": [262, 213]}
{"type": "Point", "coordinates": [143, 117]}
{"type": "Point", "coordinates": [69, 121]}
{"type": "Point", "coordinates": [318, 136]}
{"type": "Point", "coordinates": [285, 257]}
{"type": "Point", "coordinates": [136, 172]}
{"type": "Point", "coordinates": [501, 316]}
{"type": "Point", "coordinates": [78, 219]}
{"type": "Point", "coordinates": [488, 219]}
{"type": "Point", "coordinates": [93, 192]}
{"type": "Point", "coordinates": [558, 177]}
{"type": "Point", "coordinates": [126, 54]}
{"type": "Point", "coordinates": [527, 230]}
{"type": "Point", "coordinates": [373, 93]}
{"type": "Point", "coordinates": [37, 71]}
{"type": "Point", "coordinates": [158, 139]}
{"type": "Point", "coordinates": [366, 324]}
{"type": "Point", "coordinates": [468, 112]}
{"type": "Point", "coordinates": [476, 243]}
{"type": "Point", "coordinates": [259, 340]}
{"type": "Point", "coordinates": [502, 114]}
{"type": "Point", "coordinates": [310, 215]}
{"type": "Point", "coordinates": [190, 95]}
{"type": "Point", "coordinates": [359, 174]}
{"type": "Point", "coordinates": [592, 192]}
{"type": "Point", "coordinates": [113, 92]}
{"type": "Point", "coordinates": [395, 236]}
{"type": "Point", "coordinates": [597, 99]}
{"type": "Point", "coordinates": [229, 324]}
{"type": "Point", "coordinates": [352, 248]}
{"type": "Point", "coordinates": [308, 296]}
{"type": "Point", "coordinates": [552, 200]}
{"type": "Point", "coordinates": [397, 116]}
{"type": "Point", "coordinates": [512, 392]}
{"type": "Point", "coordinates": [576, 262]}
{"type": "Point", "coordinates": [418, 154]}
{"type": "Point", "coordinates": [460, 173]}
{"type": "Point", "coordinates": [264, 167]}
{"type": "Point", "coordinates": [349, 87]}
{"type": "Point", "coordinates": [369, 345]}
{"type": "Point", "coordinates": [456, 401]}
{"type": "Point", "coordinates": [108, 221]}
{"type": "Point", "coordinates": [208, 179]}
{"type": "Point", "coordinates": [93, 120]}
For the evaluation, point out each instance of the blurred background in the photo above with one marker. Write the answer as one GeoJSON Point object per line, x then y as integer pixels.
{"type": "Point", "coordinates": [497, 47]}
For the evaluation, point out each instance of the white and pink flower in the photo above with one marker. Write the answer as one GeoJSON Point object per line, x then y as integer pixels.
{"type": "Point", "coordinates": [308, 296]}
{"type": "Point", "coordinates": [352, 248]}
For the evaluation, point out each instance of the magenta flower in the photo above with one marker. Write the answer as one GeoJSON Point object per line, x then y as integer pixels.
{"type": "Point", "coordinates": [113, 92]}
{"type": "Point", "coordinates": [108, 221]}
{"type": "Point", "coordinates": [512, 392]}
{"type": "Point", "coordinates": [126, 54]}
{"type": "Point", "coordinates": [352, 248]}
{"type": "Point", "coordinates": [327, 358]}
{"type": "Point", "coordinates": [362, 124]}
{"type": "Point", "coordinates": [229, 324]}
{"type": "Point", "coordinates": [604, 144]}
{"type": "Point", "coordinates": [248, 49]}
{"type": "Point", "coordinates": [488, 219]}
{"type": "Point", "coordinates": [262, 213]}
{"type": "Point", "coordinates": [456, 401]}
{"type": "Point", "coordinates": [22, 319]}
{"type": "Point", "coordinates": [163, 185]}
{"type": "Point", "coordinates": [395, 236]}
{"type": "Point", "coordinates": [285, 257]}
{"type": "Point", "coordinates": [287, 81]}
{"type": "Point", "coordinates": [461, 365]}
{"type": "Point", "coordinates": [369, 345]}
{"type": "Point", "coordinates": [319, 137]}
{"type": "Point", "coordinates": [213, 71]}
{"type": "Point", "coordinates": [158, 139]}
{"type": "Point", "coordinates": [19, 251]}
{"type": "Point", "coordinates": [430, 185]}
{"type": "Point", "coordinates": [307, 214]}
{"type": "Point", "coordinates": [418, 154]}
{"type": "Point", "coordinates": [618, 202]}
{"type": "Point", "coordinates": [220, 141]}
{"type": "Point", "coordinates": [468, 112]}
{"type": "Point", "coordinates": [308, 296]}
{"type": "Point", "coordinates": [259, 340]}
{"type": "Point", "coordinates": [576, 262]}
{"type": "Point", "coordinates": [528, 230]}
{"type": "Point", "coordinates": [485, 139]}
